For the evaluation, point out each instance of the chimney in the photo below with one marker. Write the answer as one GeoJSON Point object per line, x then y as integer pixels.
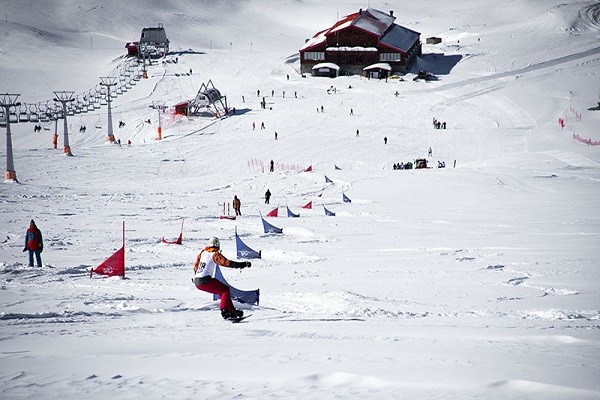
{"type": "Point", "coordinates": [391, 13]}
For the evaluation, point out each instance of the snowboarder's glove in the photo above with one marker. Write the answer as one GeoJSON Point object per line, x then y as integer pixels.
{"type": "Point", "coordinates": [240, 265]}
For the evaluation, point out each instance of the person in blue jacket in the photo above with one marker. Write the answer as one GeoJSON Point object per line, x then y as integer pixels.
{"type": "Point", "coordinates": [34, 243]}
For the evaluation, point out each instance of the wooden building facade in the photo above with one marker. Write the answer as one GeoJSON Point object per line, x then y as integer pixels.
{"type": "Point", "coordinates": [360, 40]}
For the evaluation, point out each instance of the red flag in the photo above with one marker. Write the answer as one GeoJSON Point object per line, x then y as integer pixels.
{"type": "Point", "coordinates": [113, 265]}
{"type": "Point", "coordinates": [308, 205]}
{"type": "Point", "coordinates": [178, 241]}
{"type": "Point", "coordinates": [273, 213]}
{"type": "Point", "coordinates": [308, 169]}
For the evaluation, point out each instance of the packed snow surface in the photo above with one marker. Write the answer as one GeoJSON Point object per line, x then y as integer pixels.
{"type": "Point", "coordinates": [477, 280]}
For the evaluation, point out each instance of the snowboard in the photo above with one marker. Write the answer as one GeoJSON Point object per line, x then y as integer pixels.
{"type": "Point", "coordinates": [239, 319]}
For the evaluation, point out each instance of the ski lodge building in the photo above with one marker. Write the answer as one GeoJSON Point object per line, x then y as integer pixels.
{"type": "Point", "coordinates": [154, 42]}
{"type": "Point", "coordinates": [366, 42]}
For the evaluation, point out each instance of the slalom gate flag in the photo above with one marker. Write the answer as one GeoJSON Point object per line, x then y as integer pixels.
{"type": "Point", "coordinates": [290, 214]}
{"type": "Point", "coordinates": [179, 239]}
{"type": "Point", "coordinates": [308, 169]}
{"type": "Point", "coordinates": [273, 213]}
{"type": "Point", "coordinates": [329, 213]}
{"type": "Point", "coordinates": [268, 228]}
{"type": "Point", "coordinates": [243, 296]}
{"type": "Point", "coordinates": [346, 198]}
{"type": "Point", "coordinates": [336, 167]}
{"type": "Point", "coordinates": [308, 205]}
{"type": "Point", "coordinates": [113, 265]}
{"type": "Point", "coordinates": [243, 251]}
{"type": "Point", "coordinates": [327, 180]}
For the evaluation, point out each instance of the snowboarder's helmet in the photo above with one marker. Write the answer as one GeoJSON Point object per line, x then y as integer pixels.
{"type": "Point", "coordinates": [214, 242]}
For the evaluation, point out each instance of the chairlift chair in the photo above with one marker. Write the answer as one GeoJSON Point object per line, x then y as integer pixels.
{"type": "Point", "coordinates": [33, 113]}
{"type": "Point", "coordinates": [2, 118]}
{"type": "Point", "coordinates": [43, 112]}
{"type": "Point", "coordinates": [23, 115]}
{"type": "Point", "coordinates": [13, 117]}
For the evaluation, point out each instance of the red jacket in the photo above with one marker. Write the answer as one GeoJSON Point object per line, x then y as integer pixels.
{"type": "Point", "coordinates": [33, 239]}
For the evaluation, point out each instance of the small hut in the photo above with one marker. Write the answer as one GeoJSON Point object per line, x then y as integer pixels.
{"type": "Point", "coordinates": [377, 71]}
{"type": "Point", "coordinates": [330, 70]}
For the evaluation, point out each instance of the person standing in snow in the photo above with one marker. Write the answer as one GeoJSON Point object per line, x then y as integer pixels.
{"type": "Point", "coordinates": [204, 271]}
{"type": "Point", "coordinates": [34, 244]}
{"type": "Point", "coordinates": [272, 166]}
{"type": "Point", "coordinates": [267, 196]}
{"type": "Point", "coordinates": [236, 205]}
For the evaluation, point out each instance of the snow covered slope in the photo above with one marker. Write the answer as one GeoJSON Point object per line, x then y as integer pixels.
{"type": "Point", "coordinates": [479, 280]}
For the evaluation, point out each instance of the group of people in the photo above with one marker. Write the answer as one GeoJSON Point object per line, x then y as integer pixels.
{"type": "Point", "coordinates": [401, 165]}
{"type": "Point", "coordinates": [237, 203]}
{"type": "Point", "coordinates": [438, 124]}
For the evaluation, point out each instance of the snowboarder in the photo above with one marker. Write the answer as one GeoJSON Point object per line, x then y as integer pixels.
{"type": "Point", "coordinates": [204, 270]}
{"type": "Point", "coordinates": [34, 244]}
{"type": "Point", "coordinates": [272, 166]}
{"type": "Point", "coordinates": [236, 205]}
{"type": "Point", "coordinates": [430, 152]}
{"type": "Point", "coordinates": [267, 196]}
{"type": "Point", "coordinates": [385, 140]}
{"type": "Point", "coordinates": [275, 135]}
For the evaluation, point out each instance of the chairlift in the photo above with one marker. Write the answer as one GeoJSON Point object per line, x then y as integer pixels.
{"type": "Point", "coordinates": [23, 115]}
{"type": "Point", "coordinates": [33, 113]}
{"type": "Point", "coordinates": [43, 112]}
{"type": "Point", "coordinates": [13, 117]}
{"type": "Point", "coordinates": [2, 118]}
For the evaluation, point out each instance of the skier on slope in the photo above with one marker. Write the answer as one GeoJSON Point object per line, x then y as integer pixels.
{"type": "Point", "coordinates": [204, 271]}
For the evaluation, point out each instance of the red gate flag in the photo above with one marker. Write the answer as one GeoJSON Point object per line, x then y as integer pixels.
{"type": "Point", "coordinates": [308, 169]}
{"type": "Point", "coordinates": [308, 205]}
{"type": "Point", "coordinates": [113, 265]}
{"type": "Point", "coordinates": [273, 213]}
{"type": "Point", "coordinates": [179, 239]}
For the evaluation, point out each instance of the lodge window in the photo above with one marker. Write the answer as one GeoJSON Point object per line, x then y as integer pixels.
{"type": "Point", "coordinates": [314, 55]}
{"type": "Point", "coordinates": [390, 57]}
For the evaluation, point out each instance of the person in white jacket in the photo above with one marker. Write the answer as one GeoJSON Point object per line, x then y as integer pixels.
{"type": "Point", "coordinates": [204, 271]}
